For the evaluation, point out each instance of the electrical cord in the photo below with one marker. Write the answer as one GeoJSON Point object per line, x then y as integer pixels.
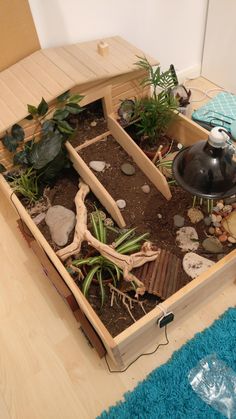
{"type": "Point", "coordinates": [140, 356]}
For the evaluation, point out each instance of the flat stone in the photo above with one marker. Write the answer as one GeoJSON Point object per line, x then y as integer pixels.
{"type": "Point", "coordinates": [187, 239]}
{"type": "Point", "coordinates": [212, 245]}
{"type": "Point", "coordinates": [61, 222]}
{"type": "Point", "coordinates": [211, 230]}
{"type": "Point", "coordinates": [121, 203]}
{"type": "Point", "coordinates": [229, 224]}
{"type": "Point", "coordinates": [194, 265]}
{"type": "Point", "coordinates": [219, 206]}
{"type": "Point", "coordinates": [145, 188]}
{"type": "Point", "coordinates": [195, 215]}
{"type": "Point", "coordinates": [178, 220]}
{"type": "Point", "coordinates": [207, 221]}
{"type": "Point", "coordinates": [97, 165]}
{"type": "Point", "coordinates": [128, 169]}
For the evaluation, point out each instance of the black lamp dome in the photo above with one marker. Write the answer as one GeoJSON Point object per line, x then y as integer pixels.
{"type": "Point", "coordinates": [207, 168]}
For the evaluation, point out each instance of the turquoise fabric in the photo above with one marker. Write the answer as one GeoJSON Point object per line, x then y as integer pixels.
{"type": "Point", "coordinates": [219, 111]}
{"type": "Point", "coordinates": [166, 392]}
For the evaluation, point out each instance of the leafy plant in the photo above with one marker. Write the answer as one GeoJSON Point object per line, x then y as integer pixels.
{"type": "Point", "coordinates": [100, 267]}
{"type": "Point", "coordinates": [45, 153]}
{"type": "Point", "coordinates": [26, 183]}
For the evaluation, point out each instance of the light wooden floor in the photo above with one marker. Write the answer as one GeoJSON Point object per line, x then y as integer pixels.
{"type": "Point", "coordinates": [47, 369]}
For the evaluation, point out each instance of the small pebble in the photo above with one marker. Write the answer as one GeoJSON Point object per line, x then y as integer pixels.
{"type": "Point", "coordinates": [231, 239]}
{"type": "Point", "coordinates": [227, 208]}
{"type": "Point", "coordinates": [216, 224]}
{"type": "Point", "coordinates": [145, 188]}
{"type": "Point", "coordinates": [159, 216]}
{"type": "Point", "coordinates": [207, 221]}
{"type": "Point", "coordinates": [179, 146]}
{"type": "Point", "coordinates": [213, 218]}
{"type": "Point", "coordinates": [219, 205]}
{"type": "Point", "coordinates": [178, 220]}
{"type": "Point", "coordinates": [93, 124]}
{"type": "Point", "coordinates": [128, 169]}
{"type": "Point", "coordinates": [218, 231]}
{"type": "Point", "coordinates": [211, 230]}
{"type": "Point", "coordinates": [97, 165]}
{"type": "Point", "coordinates": [218, 218]}
{"type": "Point", "coordinates": [121, 203]}
{"type": "Point", "coordinates": [223, 238]}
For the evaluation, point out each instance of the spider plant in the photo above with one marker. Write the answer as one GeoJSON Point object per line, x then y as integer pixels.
{"type": "Point", "coordinates": [99, 267]}
{"type": "Point", "coordinates": [25, 183]}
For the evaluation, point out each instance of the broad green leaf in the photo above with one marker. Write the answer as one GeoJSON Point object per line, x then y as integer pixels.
{"type": "Point", "coordinates": [74, 108]}
{"type": "Point", "coordinates": [21, 157]}
{"type": "Point", "coordinates": [63, 96]}
{"type": "Point", "coordinates": [128, 245]}
{"type": "Point", "coordinates": [65, 128]}
{"type": "Point", "coordinates": [2, 168]}
{"type": "Point", "coordinates": [10, 143]}
{"type": "Point", "coordinates": [54, 167]}
{"type": "Point", "coordinates": [29, 117]}
{"type": "Point", "coordinates": [124, 236]}
{"type": "Point", "coordinates": [88, 279]}
{"type": "Point", "coordinates": [45, 150]}
{"type": "Point", "coordinates": [60, 114]}
{"type": "Point", "coordinates": [75, 99]}
{"type": "Point", "coordinates": [95, 227]}
{"type": "Point", "coordinates": [17, 132]}
{"type": "Point", "coordinates": [43, 107]}
{"type": "Point", "coordinates": [130, 249]}
{"type": "Point", "coordinates": [48, 126]}
{"type": "Point", "coordinates": [32, 110]}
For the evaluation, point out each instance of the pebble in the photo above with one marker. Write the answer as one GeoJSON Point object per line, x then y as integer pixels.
{"type": "Point", "coordinates": [145, 188]}
{"type": "Point", "coordinates": [229, 224]}
{"type": "Point", "coordinates": [212, 245]}
{"type": "Point", "coordinates": [218, 231]}
{"type": "Point", "coordinates": [128, 169]}
{"type": "Point", "coordinates": [159, 216]}
{"type": "Point", "coordinates": [216, 224]}
{"type": "Point", "coordinates": [219, 206]}
{"type": "Point", "coordinates": [207, 221]}
{"type": "Point", "coordinates": [178, 220]}
{"type": "Point", "coordinates": [227, 208]}
{"type": "Point", "coordinates": [179, 146]}
{"type": "Point", "coordinates": [187, 239]}
{"type": "Point", "coordinates": [194, 265]}
{"type": "Point", "coordinates": [109, 222]}
{"type": "Point", "coordinates": [213, 218]}
{"type": "Point", "coordinates": [195, 215]}
{"type": "Point", "coordinates": [222, 238]}
{"type": "Point", "coordinates": [231, 239]}
{"type": "Point", "coordinates": [121, 203]}
{"type": "Point", "coordinates": [93, 124]}
{"type": "Point", "coordinates": [211, 230]}
{"type": "Point", "coordinates": [61, 222]}
{"type": "Point", "coordinates": [97, 165]}
{"type": "Point", "coordinates": [218, 218]}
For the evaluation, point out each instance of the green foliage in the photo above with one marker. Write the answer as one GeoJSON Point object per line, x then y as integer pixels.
{"type": "Point", "coordinates": [14, 138]}
{"type": "Point", "coordinates": [98, 266]}
{"type": "Point", "coordinates": [25, 183]}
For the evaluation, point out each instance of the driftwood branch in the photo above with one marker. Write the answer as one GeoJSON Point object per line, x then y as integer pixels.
{"type": "Point", "coordinates": [126, 300]}
{"type": "Point", "coordinates": [124, 262]}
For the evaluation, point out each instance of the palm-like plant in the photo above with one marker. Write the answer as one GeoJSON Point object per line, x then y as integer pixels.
{"type": "Point", "coordinates": [98, 266]}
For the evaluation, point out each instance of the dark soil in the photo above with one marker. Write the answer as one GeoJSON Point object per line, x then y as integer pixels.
{"type": "Point", "coordinates": [93, 113]}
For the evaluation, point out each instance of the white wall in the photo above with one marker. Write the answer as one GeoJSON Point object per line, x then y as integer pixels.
{"type": "Point", "coordinates": [169, 30]}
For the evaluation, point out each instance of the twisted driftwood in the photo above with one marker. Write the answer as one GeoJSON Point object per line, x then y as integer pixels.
{"type": "Point", "coordinates": [124, 262]}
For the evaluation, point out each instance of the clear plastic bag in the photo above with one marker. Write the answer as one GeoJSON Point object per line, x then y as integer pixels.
{"type": "Point", "coordinates": [215, 383]}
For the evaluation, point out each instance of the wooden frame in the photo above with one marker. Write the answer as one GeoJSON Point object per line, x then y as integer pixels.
{"type": "Point", "coordinates": [133, 341]}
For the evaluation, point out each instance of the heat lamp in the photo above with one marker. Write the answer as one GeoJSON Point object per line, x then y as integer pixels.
{"type": "Point", "coordinates": [208, 168]}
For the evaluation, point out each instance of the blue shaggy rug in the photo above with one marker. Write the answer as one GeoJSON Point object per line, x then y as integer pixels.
{"type": "Point", "coordinates": [166, 392]}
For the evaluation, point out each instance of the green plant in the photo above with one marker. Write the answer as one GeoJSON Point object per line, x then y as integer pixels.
{"type": "Point", "coordinates": [45, 152]}
{"type": "Point", "coordinates": [26, 183]}
{"type": "Point", "coordinates": [98, 266]}
{"type": "Point", "coordinates": [154, 113]}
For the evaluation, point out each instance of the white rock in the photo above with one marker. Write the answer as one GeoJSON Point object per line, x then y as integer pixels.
{"type": "Point", "coordinates": [186, 238]}
{"type": "Point", "coordinates": [194, 265]}
{"type": "Point", "coordinates": [195, 215]}
{"type": "Point", "coordinates": [159, 216]}
{"type": "Point", "coordinates": [229, 224]}
{"type": "Point", "coordinates": [97, 165]}
{"type": "Point", "coordinates": [61, 222]}
{"type": "Point", "coordinates": [121, 203]}
{"type": "Point", "coordinates": [145, 188]}
{"type": "Point", "coordinates": [220, 205]}
{"type": "Point", "coordinates": [93, 124]}
{"type": "Point", "coordinates": [39, 218]}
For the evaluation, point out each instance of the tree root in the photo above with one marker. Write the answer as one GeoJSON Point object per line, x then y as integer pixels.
{"type": "Point", "coordinates": [126, 300]}
{"type": "Point", "coordinates": [124, 262]}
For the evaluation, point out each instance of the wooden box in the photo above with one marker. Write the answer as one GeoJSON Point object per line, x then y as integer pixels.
{"type": "Point", "coordinates": [133, 341]}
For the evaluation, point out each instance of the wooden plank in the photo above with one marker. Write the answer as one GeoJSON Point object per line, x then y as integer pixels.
{"type": "Point", "coordinates": [86, 60]}
{"type": "Point", "coordinates": [13, 102]}
{"type": "Point", "coordinates": [98, 189]}
{"type": "Point", "coordinates": [182, 303]}
{"type": "Point", "coordinates": [142, 161]}
{"type": "Point", "coordinates": [21, 91]}
{"type": "Point", "coordinates": [136, 51]}
{"type": "Point", "coordinates": [187, 131]}
{"type": "Point", "coordinates": [105, 336]}
{"type": "Point", "coordinates": [105, 62]}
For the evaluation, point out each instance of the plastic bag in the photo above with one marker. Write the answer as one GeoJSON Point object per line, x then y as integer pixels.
{"type": "Point", "coordinates": [215, 383]}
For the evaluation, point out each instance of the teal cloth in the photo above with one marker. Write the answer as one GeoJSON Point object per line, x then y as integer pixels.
{"type": "Point", "coordinates": [219, 111]}
{"type": "Point", "coordinates": [166, 392]}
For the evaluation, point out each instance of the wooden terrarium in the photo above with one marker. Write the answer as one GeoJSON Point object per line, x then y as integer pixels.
{"type": "Point", "coordinates": [121, 258]}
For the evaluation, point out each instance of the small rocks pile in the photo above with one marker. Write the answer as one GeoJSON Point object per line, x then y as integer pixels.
{"type": "Point", "coordinates": [223, 222]}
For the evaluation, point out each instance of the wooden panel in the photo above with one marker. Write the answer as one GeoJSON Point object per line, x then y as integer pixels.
{"type": "Point", "coordinates": [142, 161]}
{"type": "Point", "coordinates": [18, 37]}
{"type": "Point", "coordinates": [86, 60]}
{"type": "Point", "coordinates": [186, 131]}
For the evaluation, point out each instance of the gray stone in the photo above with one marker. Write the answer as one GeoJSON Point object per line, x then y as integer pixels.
{"type": "Point", "coordinates": [187, 239]}
{"type": "Point", "coordinates": [128, 169]}
{"type": "Point", "coordinates": [212, 245]}
{"type": "Point", "coordinates": [97, 165]}
{"type": "Point", "coordinates": [61, 222]}
{"type": "Point", "coordinates": [145, 188]}
{"type": "Point", "coordinates": [194, 265]}
{"type": "Point", "coordinates": [121, 203]}
{"type": "Point", "coordinates": [178, 220]}
{"type": "Point", "coordinates": [207, 221]}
